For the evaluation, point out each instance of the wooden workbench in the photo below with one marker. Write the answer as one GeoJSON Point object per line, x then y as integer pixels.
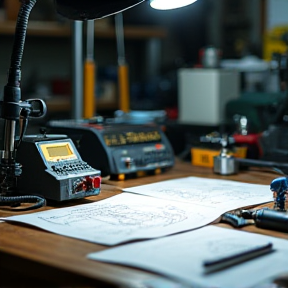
{"type": "Point", "coordinates": [31, 257]}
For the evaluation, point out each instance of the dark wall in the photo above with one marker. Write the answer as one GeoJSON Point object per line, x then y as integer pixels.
{"type": "Point", "coordinates": [186, 26]}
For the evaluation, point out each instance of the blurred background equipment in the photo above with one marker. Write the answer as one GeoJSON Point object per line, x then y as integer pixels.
{"type": "Point", "coordinates": [203, 94]}
{"type": "Point", "coordinates": [89, 73]}
{"type": "Point", "coordinates": [118, 148]}
{"type": "Point", "coordinates": [123, 70]}
{"type": "Point", "coordinates": [236, 29]}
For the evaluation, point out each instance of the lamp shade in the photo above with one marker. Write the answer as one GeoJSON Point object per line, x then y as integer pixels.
{"type": "Point", "coordinates": [170, 4]}
{"type": "Point", "coordinates": [92, 9]}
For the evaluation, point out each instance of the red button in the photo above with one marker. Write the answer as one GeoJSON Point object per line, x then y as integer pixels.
{"type": "Point", "coordinates": [158, 146]}
{"type": "Point", "coordinates": [97, 182]}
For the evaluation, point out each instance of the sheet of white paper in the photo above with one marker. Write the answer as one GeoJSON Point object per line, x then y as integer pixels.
{"type": "Point", "coordinates": [121, 218]}
{"type": "Point", "coordinates": [207, 192]}
{"type": "Point", "coordinates": [181, 257]}
{"type": "Point", "coordinates": [129, 216]}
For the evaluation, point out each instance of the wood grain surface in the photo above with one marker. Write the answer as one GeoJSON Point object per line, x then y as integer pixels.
{"type": "Point", "coordinates": [31, 257]}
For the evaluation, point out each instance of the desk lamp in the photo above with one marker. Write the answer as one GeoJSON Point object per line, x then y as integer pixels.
{"type": "Point", "coordinates": [92, 9]}
{"type": "Point", "coordinates": [169, 4]}
{"type": "Point", "coordinates": [16, 112]}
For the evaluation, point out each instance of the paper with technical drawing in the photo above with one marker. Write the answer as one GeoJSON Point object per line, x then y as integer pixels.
{"type": "Point", "coordinates": [129, 216]}
{"type": "Point", "coordinates": [181, 257]}
{"type": "Point", "coordinates": [121, 218]}
{"type": "Point", "coordinates": [207, 192]}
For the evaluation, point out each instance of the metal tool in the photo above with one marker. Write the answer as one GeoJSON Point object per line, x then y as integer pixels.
{"type": "Point", "coordinates": [123, 74]}
{"type": "Point", "coordinates": [235, 220]}
{"type": "Point", "coordinates": [224, 163]}
{"type": "Point", "coordinates": [264, 218]}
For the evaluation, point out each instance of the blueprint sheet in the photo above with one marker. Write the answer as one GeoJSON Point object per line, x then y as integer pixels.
{"type": "Point", "coordinates": [181, 257]}
{"type": "Point", "coordinates": [207, 192]}
{"type": "Point", "coordinates": [129, 216]}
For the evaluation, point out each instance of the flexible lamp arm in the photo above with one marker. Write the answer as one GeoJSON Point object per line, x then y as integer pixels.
{"type": "Point", "coordinates": [14, 74]}
{"type": "Point", "coordinates": [12, 109]}
{"type": "Point", "coordinates": [12, 105]}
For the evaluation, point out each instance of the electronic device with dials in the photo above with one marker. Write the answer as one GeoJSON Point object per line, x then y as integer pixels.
{"type": "Point", "coordinates": [119, 150]}
{"type": "Point", "coordinates": [53, 168]}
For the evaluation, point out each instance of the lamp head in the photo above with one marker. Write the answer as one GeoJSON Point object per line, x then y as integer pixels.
{"type": "Point", "coordinates": [92, 9]}
{"type": "Point", "coordinates": [170, 4]}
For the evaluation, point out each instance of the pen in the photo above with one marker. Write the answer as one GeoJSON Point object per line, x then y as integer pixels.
{"type": "Point", "coordinates": [222, 263]}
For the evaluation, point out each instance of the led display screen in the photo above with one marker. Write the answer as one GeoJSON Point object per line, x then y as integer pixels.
{"type": "Point", "coordinates": [128, 138]}
{"type": "Point", "coordinates": [57, 151]}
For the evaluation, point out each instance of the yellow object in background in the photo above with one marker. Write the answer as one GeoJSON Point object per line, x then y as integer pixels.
{"type": "Point", "coordinates": [141, 173]}
{"type": "Point", "coordinates": [12, 8]}
{"type": "Point", "coordinates": [272, 42]}
{"type": "Point", "coordinates": [124, 97]}
{"type": "Point", "coordinates": [89, 89]}
{"type": "Point", "coordinates": [205, 157]}
{"type": "Point", "coordinates": [240, 152]}
{"type": "Point", "coordinates": [121, 177]}
{"type": "Point", "coordinates": [89, 74]}
{"type": "Point", "coordinates": [123, 74]}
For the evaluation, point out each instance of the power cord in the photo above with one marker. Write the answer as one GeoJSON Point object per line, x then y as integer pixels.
{"type": "Point", "coordinates": [15, 201]}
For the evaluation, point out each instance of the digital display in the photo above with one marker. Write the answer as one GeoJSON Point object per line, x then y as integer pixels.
{"type": "Point", "coordinates": [128, 138]}
{"type": "Point", "coordinates": [58, 151]}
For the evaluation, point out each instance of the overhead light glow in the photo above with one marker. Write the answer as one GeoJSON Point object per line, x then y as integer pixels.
{"type": "Point", "coordinates": [169, 4]}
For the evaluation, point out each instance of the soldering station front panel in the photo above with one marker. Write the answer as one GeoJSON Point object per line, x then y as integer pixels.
{"type": "Point", "coordinates": [119, 149]}
{"type": "Point", "coordinates": [55, 170]}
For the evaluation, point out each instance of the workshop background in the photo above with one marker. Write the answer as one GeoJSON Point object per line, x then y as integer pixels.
{"type": "Point", "coordinates": [165, 50]}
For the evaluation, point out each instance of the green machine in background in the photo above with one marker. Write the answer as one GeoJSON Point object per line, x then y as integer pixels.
{"type": "Point", "coordinates": [260, 108]}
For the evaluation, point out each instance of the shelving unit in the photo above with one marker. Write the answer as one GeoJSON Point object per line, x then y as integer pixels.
{"type": "Point", "coordinates": [236, 27]}
{"type": "Point", "coordinates": [63, 104]}
{"type": "Point", "coordinates": [55, 30]}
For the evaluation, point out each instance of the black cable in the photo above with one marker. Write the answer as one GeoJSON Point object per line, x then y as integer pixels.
{"type": "Point", "coordinates": [19, 41]}
{"type": "Point", "coordinates": [261, 163]}
{"type": "Point", "coordinates": [15, 200]}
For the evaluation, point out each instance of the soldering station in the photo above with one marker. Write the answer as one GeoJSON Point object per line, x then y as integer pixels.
{"type": "Point", "coordinates": [69, 160]}
{"type": "Point", "coordinates": [119, 150]}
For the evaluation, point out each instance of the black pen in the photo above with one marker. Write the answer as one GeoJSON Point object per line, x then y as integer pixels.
{"type": "Point", "coordinates": [227, 261]}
